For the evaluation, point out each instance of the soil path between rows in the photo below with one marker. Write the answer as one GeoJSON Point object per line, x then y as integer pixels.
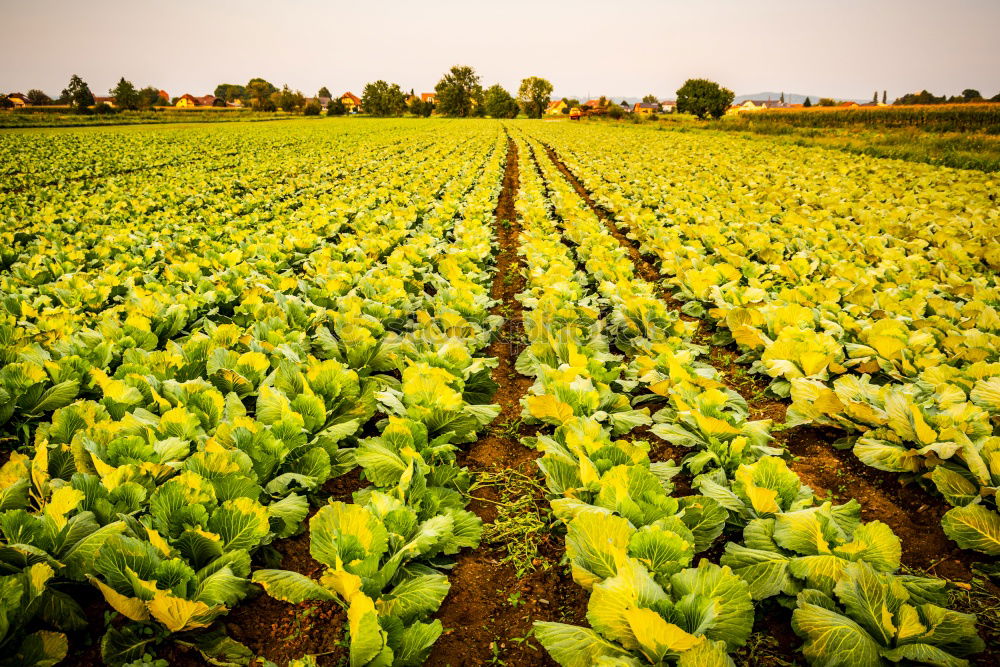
{"type": "Point", "coordinates": [489, 611]}
{"type": "Point", "coordinates": [912, 513]}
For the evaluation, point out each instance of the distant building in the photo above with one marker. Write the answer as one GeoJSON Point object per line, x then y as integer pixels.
{"type": "Point", "coordinates": [555, 108]}
{"type": "Point", "coordinates": [186, 100]}
{"type": "Point", "coordinates": [352, 103]}
{"type": "Point", "coordinates": [324, 102]}
{"type": "Point", "coordinates": [429, 97]}
{"type": "Point", "coordinates": [110, 101]}
{"type": "Point", "coordinates": [759, 105]}
{"type": "Point", "coordinates": [646, 108]}
{"type": "Point", "coordinates": [19, 100]}
{"type": "Point", "coordinates": [668, 106]}
{"type": "Point", "coordinates": [210, 101]}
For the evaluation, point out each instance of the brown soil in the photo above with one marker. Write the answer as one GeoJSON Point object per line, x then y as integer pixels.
{"type": "Point", "coordinates": [912, 513]}
{"type": "Point", "coordinates": [489, 611]}
{"type": "Point", "coordinates": [279, 631]}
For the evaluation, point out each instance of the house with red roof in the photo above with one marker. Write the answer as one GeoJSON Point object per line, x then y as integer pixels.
{"type": "Point", "coordinates": [351, 102]}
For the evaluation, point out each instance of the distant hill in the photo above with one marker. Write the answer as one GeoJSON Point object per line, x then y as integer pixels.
{"type": "Point", "coordinates": [791, 98]}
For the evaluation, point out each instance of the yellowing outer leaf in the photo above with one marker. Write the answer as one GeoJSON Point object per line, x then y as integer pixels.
{"type": "Point", "coordinates": [64, 500]}
{"type": "Point", "coordinates": [157, 541]}
{"type": "Point", "coordinates": [132, 608]}
{"type": "Point", "coordinates": [656, 637]}
{"type": "Point", "coordinates": [342, 582]}
{"type": "Point", "coordinates": [714, 426]}
{"type": "Point", "coordinates": [764, 501]}
{"type": "Point", "coordinates": [547, 406]}
{"type": "Point", "coordinates": [178, 614]}
{"type": "Point", "coordinates": [925, 433]}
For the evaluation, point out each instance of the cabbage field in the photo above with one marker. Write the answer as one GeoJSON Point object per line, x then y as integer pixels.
{"type": "Point", "coordinates": [467, 392]}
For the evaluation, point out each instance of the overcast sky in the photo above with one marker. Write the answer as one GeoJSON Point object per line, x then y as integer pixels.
{"type": "Point", "coordinates": [839, 48]}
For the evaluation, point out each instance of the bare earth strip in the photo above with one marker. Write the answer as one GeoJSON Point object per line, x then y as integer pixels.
{"type": "Point", "coordinates": [489, 610]}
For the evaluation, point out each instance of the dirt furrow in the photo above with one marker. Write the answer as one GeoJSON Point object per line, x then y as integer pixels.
{"type": "Point", "coordinates": [495, 593]}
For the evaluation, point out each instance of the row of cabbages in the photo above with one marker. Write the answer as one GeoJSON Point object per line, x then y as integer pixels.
{"type": "Point", "coordinates": [92, 274]}
{"type": "Point", "coordinates": [610, 346]}
{"type": "Point", "coordinates": [868, 295]}
{"type": "Point", "coordinates": [186, 456]}
{"type": "Point", "coordinates": [385, 551]}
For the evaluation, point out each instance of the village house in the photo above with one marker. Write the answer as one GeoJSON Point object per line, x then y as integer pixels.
{"type": "Point", "coordinates": [668, 106]}
{"type": "Point", "coordinates": [429, 97]}
{"type": "Point", "coordinates": [646, 108]}
{"type": "Point", "coordinates": [758, 105]}
{"type": "Point", "coordinates": [555, 108]}
{"type": "Point", "coordinates": [351, 102]}
{"type": "Point", "coordinates": [110, 101]}
{"type": "Point", "coordinates": [19, 100]}
{"type": "Point", "coordinates": [210, 101]}
{"type": "Point", "coordinates": [186, 100]}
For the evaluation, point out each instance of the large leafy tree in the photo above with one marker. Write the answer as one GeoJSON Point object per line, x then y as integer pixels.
{"type": "Point", "coordinates": [231, 91]}
{"type": "Point", "coordinates": [381, 98]}
{"type": "Point", "coordinates": [649, 99]}
{"type": "Point", "coordinates": [77, 94]}
{"type": "Point", "coordinates": [288, 100]}
{"type": "Point", "coordinates": [38, 98]}
{"type": "Point", "coordinates": [125, 94]}
{"type": "Point", "coordinates": [149, 97]}
{"type": "Point", "coordinates": [498, 103]}
{"type": "Point", "coordinates": [533, 96]}
{"type": "Point", "coordinates": [459, 92]}
{"type": "Point", "coordinates": [703, 98]}
{"type": "Point", "coordinates": [336, 107]}
{"type": "Point", "coordinates": [324, 92]}
{"type": "Point", "coordinates": [259, 91]}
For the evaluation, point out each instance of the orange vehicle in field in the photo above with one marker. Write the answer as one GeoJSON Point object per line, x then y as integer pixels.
{"type": "Point", "coordinates": [575, 113]}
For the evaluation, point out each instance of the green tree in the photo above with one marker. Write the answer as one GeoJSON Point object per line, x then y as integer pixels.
{"type": "Point", "coordinates": [533, 96]}
{"type": "Point", "coordinates": [883, 96]}
{"type": "Point", "coordinates": [231, 92]}
{"type": "Point", "coordinates": [311, 108]}
{"type": "Point", "coordinates": [875, 98]}
{"type": "Point", "coordinates": [38, 98]}
{"type": "Point", "coordinates": [324, 92]}
{"type": "Point", "coordinates": [498, 103]}
{"type": "Point", "coordinates": [419, 107]}
{"type": "Point", "coordinates": [827, 102]}
{"type": "Point", "coordinates": [703, 98]}
{"type": "Point", "coordinates": [615, 112]}
{"type": "Point", "coordinates": [258, 92]}
{"type": "Point", "coordinates": [149, 97]}
{"type": "Point", "coordinates": [649, 99]}
{"type": "Point", "coordinates": [971, 94]}
{"type": "Point", "coordinates": [336, 107]}
{"type": "Point", "coordinates": [288, 100]}
{"type": "Point", "coordinates": [923, 97]}
{"type": "Point", "coordinates": [125, 94]}
{"type": "Point", "coordinates": [77, 94]}
{"type": "Point", "coordinates": [808, 103]}
{"type": "Point", "coordinates": [5, 102]}
{"type": "Point", "coordinates": [380, 98]}
{"type": "Point", "coordinates": [459, 92]}
{"type": "Point", "coordinates": [782, 98]}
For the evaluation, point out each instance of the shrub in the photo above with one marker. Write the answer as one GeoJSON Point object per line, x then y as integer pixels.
{"type": "Point", "coordinates": [312, 109]}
